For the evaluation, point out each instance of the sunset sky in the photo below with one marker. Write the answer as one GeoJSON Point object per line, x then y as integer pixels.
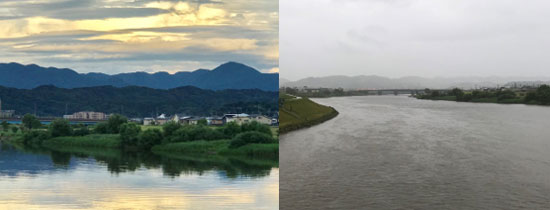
{"type": "Point", "coordinates": [114, 36]}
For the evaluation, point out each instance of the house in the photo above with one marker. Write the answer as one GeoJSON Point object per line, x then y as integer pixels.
{"type": "Point", "coordinates": [215, 121]}
{"type": "Point", "coordinates": [161, 119]}
{"type": "Point", "coordinates": [237, 118]}
{"type": "Point", "coordinates": [149, 121]}
{"type": "Point", "coordinates": [261, 119]}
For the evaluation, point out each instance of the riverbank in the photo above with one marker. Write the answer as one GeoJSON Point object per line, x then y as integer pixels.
{"type": "Point", "coordinates": [247, 140]}
{"type": "Point", "coordinates": [539, 96]}
{"type": "Point", "coordinates": [297, 113]}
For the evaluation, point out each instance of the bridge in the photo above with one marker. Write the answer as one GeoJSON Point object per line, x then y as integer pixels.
{"type": "Point", "coordinates": [401, 91]}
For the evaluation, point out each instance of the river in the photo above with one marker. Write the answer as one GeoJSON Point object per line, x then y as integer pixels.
{"type": "Point", "coordinates": [396, 152]}
{"type": "Point", "coordinates": [73, 178]}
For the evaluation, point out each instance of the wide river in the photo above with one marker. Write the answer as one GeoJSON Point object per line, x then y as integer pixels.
{"type": "Point", "coordinates": [396, 152]}
{"type": "Point", "coordinates": [73, 178]}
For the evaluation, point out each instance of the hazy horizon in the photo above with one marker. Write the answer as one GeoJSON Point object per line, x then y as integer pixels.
{"type": "Point", "coordinates": [400, 38]}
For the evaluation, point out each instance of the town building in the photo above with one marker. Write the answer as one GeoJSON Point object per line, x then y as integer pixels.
{"type": "Point", "coordinates": [86, 115]}
{"type": "Point", "coordinates": [237, 118]}
{"type": "Point", "coordinates": [6, 113]}
{"type": "Point", "coordinates": [214, 121]}
{"type": "Point", "coordinates": [261, 119]}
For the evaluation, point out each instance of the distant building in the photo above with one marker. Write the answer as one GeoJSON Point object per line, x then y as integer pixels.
{"type": "Point", "coordinates": [215, 121]}
{"type": "Point", "coordinates": [237, 118]}
{"type": "Point", "coordinates": [149, 121]}
{"type": "Point", "coordinates": [6, 113]}
{"type": "Point", "coordinates": [161, 120]}
{"type": "Point", "coordinates": [261, 119]}
{"type": "Point", "coordinates": [87, 116]}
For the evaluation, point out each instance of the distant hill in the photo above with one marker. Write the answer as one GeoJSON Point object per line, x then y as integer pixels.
{"type": "Point", "coordinates": [136, 101]}
{"type": "Point", "coordinates": [230, 75]}
{"type": "Point", "coordinates": [377, 82]}
{"type": "Point", "coordinates": [283, 81]}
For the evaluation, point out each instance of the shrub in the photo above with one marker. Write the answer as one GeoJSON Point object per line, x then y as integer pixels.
{"type": "Point", "coordinates": [256, 126]}
{"type": "Point", "coordinates": [35, 137]}
{"type": "Point", "coordinates": [202, 122]}
{"type": "Point", "coordinates": [30, 121]}
{"type": "Point", "coordinates": [231, 129]}
{"type": "Point", "coordinates": [83, 131]}
{"type": "Point", "coordinates": [5, 125]}
{"type": "Point", "coordinates": [204, 133]}
{"type": "Point", "coordinates": [150, 138]}
{"type": "Point", "coordinates": [129, 133]}
{"type": "Point", "coordinates": [114, 123]}
{"type": "Point", "coordinates": [170, 127]}
{"type": "Point", "coordinates": [14, 129]}
{"type": "Point", "coordinates": [101, 128]}
{"type": "Point", "coordinates": [60, 127]}
{"type": "Point", "coordinates": [251, 137]}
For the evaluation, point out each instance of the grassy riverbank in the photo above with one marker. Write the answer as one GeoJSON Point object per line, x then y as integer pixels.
{"type": "Point", "coordinates": [219, 147]}
{"type": "Point", "coordinates": [248, 140]}
{"type": "Point", "coordinates": [539, 96]}
{"type": "Point", "coordinates": [297, 113]}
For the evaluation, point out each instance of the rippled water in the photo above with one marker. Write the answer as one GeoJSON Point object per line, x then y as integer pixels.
{"type": "Point", "coordinates": [33, 178]}
{"type": "Point", "coordinates": [395, 152]}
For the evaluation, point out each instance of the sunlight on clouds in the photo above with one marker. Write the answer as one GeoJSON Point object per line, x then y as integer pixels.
{"type": "Point", "coordinates": [141, 36]}
{"type": "Point", "coordinates": [39, 32]}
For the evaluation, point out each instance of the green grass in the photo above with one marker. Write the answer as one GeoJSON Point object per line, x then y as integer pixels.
{"type": "Point", "coordinates": [94, 140]}
{"type": "Point", "coordinates": [219, 147]}
{"type": "Point", "coordinates": [300, 113]}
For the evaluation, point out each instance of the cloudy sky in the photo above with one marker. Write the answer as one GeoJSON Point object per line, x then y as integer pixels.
{"type": "Point", "coordinates": [114, 36]}
{"type": "Point", "coordinates": [430, 38]}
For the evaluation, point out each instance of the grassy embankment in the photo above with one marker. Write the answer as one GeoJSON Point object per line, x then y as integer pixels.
{"type": "Point", "coordinates": [297, 113]}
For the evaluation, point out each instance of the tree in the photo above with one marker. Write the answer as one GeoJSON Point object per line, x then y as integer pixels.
{"type": "Point", "coordinates": [14, 129]}
{"type": "Point", "coordinates": [170, 127]}
{"type": "Point", "coordinates": [30, 121]}
{"type": "Point", "coordinates": [5, 125]}
{"type": "Point", "coordinates": [149, 138]}
{"type": "Point", "coordinates": [60, 127]}
{"type": "Point", "coordinates": [129, 133]}
{"type": "Point", "coordinates": [250, 137]}
{"type": "Point", "coordinates": [202, 122]}
{"type": "Point", "coordinates": [543, 94]}
{"type": "Point", "coordinates": [114, 123]}
{"type": "Point", "coordinates": [256, 126]}
{"type": "Point", "coordinates": [457, 92]}
{"type": "Point", "coordinates": [231, 129]}
{"type": "Point", "coordinates": [102, 128]}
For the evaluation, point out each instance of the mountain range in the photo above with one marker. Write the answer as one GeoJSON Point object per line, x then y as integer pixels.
{"type": "Point", "coordinates": [230, 75]}
{"type": "Point", "coordinates": [378, 82]}
{"type": "Point", "coordinates": [134, 101]}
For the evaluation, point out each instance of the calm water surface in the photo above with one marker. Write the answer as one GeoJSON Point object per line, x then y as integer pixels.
{"type": "Point", "coordinates": [392, 152]}
{"type": "Point", "coordinates": [32, 178]}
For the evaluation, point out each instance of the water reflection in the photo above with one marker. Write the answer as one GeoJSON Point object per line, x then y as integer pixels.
{"type": "Point", "coordinates": [118, 161]}
{"type": "Point", "coordinates": [73, 178]}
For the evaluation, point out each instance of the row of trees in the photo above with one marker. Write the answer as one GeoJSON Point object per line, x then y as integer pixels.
{"type": "Point", "coordinates": [539, 96]}
{"type": "Point", "coordinates": [132, 135]}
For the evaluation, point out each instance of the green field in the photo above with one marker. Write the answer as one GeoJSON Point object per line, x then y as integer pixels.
{"type": "Point", "coordinates": [296, 113]}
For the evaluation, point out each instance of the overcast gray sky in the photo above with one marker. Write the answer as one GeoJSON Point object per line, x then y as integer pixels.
{"type": "Point", "coordinates": [114, 36]}
{"type": "Point", "coordinates": [429, 38]}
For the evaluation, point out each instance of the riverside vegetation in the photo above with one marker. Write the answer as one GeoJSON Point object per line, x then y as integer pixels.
{"type": "Point", "coordinates": [297, 113]}
{"type": "Point", "coordinates": [539, 96]}
{"type": "Point", "coordinates": [251, 140]}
